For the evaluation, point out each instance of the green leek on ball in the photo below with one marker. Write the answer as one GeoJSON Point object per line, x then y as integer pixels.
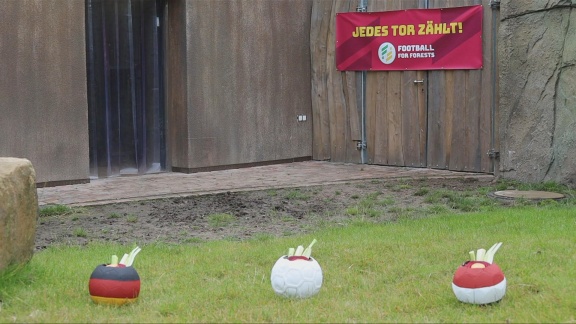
{"type": "Point", "coordinates": [127, 260]}
{"type": "Point", "coordinates": [486, 256]}
{"type": "Point", "coordinates": [300, 251]}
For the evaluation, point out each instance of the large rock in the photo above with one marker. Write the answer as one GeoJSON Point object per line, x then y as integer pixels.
{"type": "Point", "coordinates": [18, 211]}
{"type": "Point", "coordinates": [537, 57]}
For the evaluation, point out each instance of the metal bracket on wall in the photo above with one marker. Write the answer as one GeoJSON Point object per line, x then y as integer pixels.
{"type": "Point", "coordinates": [360, 145]}
{"type": "Point", "coordinates": [495, 4]}
{"type": "Point", "coordinates": [493, 154]}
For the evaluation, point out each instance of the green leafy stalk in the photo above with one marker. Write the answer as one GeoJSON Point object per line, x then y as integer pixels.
{"type": "Point", "coordinates": [114, 262]}
{"type": "Point", "coordinates": [489, 257]}
{"type": "Point", "coordinates": [124, 259]}
{"type": "Point", "coordinates": [480, 254]}
{"type": "Point", "coordinates": [486, 256]}
{"type": "Point", "coordinates": [127, 260]}
{"type": "Point", "coordinates": [300, 251]}
{"type": "Point", "coordinates": [130, 258]}
{"type": "Point", "coordinates": [308, 252]}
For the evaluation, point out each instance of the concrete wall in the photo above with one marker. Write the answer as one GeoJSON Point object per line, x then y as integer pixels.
{"type": "Point", "coordinates": [537, 117]}
{"type": "Point", "coordinates": [245, 65]}
{"type": "Point", "coordinates": [43, 105]}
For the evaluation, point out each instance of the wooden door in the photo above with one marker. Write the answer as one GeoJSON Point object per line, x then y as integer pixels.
{"type": "Point", "coordinates": [396, 113]}
{"type": "Point", "coordinates": [460, 108]}
{"type": "Point", "coordinates": [436, 119]}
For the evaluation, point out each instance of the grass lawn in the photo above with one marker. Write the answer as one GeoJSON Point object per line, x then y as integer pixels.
{"type": "Point", "coordinates": [392, 272]}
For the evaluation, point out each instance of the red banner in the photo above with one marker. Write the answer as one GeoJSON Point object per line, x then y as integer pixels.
{"type": "Point", "coordinates": [413, 39]}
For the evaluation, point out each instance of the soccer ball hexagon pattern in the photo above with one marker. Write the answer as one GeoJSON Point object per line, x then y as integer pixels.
{"type": "Point", "coordinates": [296, 277]}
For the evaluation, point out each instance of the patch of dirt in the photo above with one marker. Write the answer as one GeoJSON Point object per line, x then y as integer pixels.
{"type": "Point", "coordinates": [244, 215]}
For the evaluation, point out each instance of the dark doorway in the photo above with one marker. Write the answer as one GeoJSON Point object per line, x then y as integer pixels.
{"type": "Point", "coordinates": [125, 86]}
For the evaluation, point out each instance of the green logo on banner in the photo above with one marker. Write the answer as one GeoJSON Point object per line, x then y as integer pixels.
{"type": "Point", "coordinates": [387, 53]}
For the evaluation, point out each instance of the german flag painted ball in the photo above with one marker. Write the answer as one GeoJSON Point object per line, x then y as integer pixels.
{"type": "Point", "coordinates": [114, 285]}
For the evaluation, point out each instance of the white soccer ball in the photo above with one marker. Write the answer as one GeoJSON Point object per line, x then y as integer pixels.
{"type": "Point", "coordinates": [296, 277]}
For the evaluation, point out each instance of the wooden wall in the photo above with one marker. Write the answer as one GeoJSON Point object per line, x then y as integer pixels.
{"type": "Point", "coordinates": [43, 96]}
{"type": "Point", "coordinates": [444, 122]}
{"type": "Point", "coordinates": [238, 73]}
{"type": "Point", "coordinates": [336, 115]}
{"type": "Point", "coordinates": [242, 75]}
{"type": "Point", "coordinates": [176, 84]}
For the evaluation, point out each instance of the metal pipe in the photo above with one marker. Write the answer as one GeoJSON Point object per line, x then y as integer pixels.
{"type": "Point", "coordinates": [495, 5]}
{"type": "Point", "coordinates": [362, 7]}
{"type": "Point", "coordinates": [362, 145]}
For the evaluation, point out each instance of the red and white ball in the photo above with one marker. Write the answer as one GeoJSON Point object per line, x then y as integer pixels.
{"type": "Point", "coordinates": [296, 277]}
{"type": "Point", "coordinates": [479, 282]}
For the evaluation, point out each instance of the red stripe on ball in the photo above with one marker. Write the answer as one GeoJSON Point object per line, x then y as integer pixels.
{"type": "Point", "coordinates": [467, 277]}
{"type": "Point", "coordinates": [114, 288]}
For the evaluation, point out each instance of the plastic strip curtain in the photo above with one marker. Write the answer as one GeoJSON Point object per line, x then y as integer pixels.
{"type": "Point", "coordinates": [124, 87]}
